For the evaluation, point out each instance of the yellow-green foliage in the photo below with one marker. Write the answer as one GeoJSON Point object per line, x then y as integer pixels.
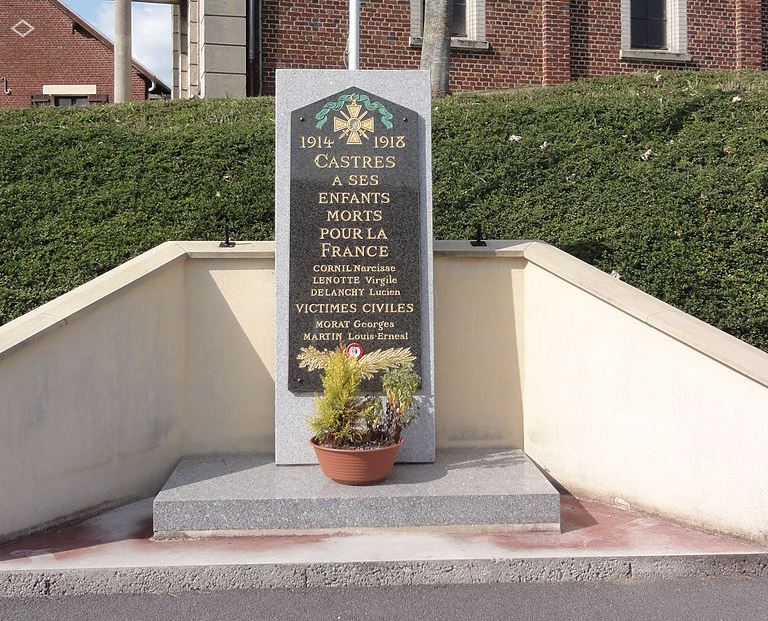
{"type": "Point", "coordinates": [344, 419]}
{"type": "Point", "coordinates": [340, 411]}
{"type": "Point", "coordinates": [400, 386]}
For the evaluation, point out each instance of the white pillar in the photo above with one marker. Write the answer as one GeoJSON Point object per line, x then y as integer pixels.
{"type": "Point", "coordinates": [123, 53]}
{"type": "Point", "coordinates": [354, 34]}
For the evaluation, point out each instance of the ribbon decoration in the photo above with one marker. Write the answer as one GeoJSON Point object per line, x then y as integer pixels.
{"type": "Point", "coordinates": [375, 106]}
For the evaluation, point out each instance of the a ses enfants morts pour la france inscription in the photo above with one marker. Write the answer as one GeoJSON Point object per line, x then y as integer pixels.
{"type": "Point", "coordinates": [355, 231]}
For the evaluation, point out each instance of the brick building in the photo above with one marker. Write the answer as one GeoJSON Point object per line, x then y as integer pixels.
{"type": "Point", "coordinates": [232, 47]}
{"type": "Point", "coordinates": [51, 56]}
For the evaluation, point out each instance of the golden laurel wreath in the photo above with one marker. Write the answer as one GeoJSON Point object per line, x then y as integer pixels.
{"type": "Point", "coordinates": [312, 359]}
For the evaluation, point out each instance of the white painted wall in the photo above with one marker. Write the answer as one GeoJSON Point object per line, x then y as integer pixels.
{"type": "Point", "coordinates": [619, 396]}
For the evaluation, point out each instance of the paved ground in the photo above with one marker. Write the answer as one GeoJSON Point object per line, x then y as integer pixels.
{"type": "Point", "coordinates": [122, 538]}
{"type": "Point", "coordinates": [115, 554]}
{"type": "Point", "coordinates": [731, 599]}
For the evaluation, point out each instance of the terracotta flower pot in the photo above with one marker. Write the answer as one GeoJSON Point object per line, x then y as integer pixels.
{"type": "Point", "coordinates": [357, 467]}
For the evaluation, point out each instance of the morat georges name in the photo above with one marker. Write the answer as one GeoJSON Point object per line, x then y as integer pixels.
{"type": "Point", "coordinates": [354, 229]}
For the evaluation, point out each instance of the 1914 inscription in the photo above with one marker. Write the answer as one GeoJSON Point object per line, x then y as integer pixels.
{"type": "Point", "coordinates": [355, 273]}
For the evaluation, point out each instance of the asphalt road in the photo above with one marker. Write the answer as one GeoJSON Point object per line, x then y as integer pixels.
{"type": "Point", "coordinates": [730, 599]}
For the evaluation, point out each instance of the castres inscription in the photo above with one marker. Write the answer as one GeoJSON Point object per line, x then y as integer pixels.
{"type": "Point", "coordinates": [355, 274]}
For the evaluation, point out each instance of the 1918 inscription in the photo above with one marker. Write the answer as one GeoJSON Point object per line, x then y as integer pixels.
{"type": "Point", "coordinates": [355, 272]}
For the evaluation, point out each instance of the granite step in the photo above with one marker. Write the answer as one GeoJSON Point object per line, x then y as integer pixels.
{"type": "Point", "coordinates": [246, 494]}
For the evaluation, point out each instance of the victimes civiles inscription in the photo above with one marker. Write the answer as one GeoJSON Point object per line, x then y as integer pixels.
{"type": "Point", "coordinates": [355, 272]}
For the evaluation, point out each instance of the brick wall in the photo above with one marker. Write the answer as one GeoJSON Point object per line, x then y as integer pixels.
{"type": "Point", "coordinates": [531, 41]}
{"type": "Point", "coordinates": [52, 54]}
{"type": "Point", "coordinates": [749, 31]}
{"type": "Point", "coordinates": [712, 33]}
{"type": "Point", "coordinates": [556, 41]}
{"type": "Point", "coordinates": [596, 38]}
{"type": "Point", "coordinates": [312, 34]}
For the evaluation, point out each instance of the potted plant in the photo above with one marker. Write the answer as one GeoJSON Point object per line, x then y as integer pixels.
{"type": "Point", "coordinates": [356, 437]}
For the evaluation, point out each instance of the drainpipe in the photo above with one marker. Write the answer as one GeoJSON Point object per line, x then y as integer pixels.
{"type": "Point", "coordinates": [123, 54]}
{"type": "Point", "coordinates": [253, 35]}
{"type": "Point", "coordinates": [250, 47]}
{"type": "Point", "coordinates": [354, 35]}
{"type": "Point", "coordinates": [261, 51]}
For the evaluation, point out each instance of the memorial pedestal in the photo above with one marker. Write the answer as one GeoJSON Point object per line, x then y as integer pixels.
{"type": "Point", "coordinates": [248, 495]}
{"type": "Point", "coordinates": [353, 227]}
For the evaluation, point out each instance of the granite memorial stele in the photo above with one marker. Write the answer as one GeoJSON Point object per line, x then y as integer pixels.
{"type": "Point", "coordinates": [353, 203]}
{"type": "Point", "coordinates": [353, 264]}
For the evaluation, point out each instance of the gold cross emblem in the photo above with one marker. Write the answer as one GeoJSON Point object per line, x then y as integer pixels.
{"type": "Point", "coordinates": [353, 125]}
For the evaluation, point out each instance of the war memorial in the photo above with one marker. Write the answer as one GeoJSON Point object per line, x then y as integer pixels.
{"type": "Point", "coordinates": [506, 379]}
{"type": "Point", "coordinates": [353, 269]}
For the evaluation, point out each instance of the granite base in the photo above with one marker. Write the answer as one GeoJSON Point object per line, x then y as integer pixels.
{"type": "Point", "coordinates": [249, 494]}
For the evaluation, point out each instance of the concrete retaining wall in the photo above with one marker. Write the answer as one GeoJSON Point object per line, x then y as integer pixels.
{"type": "Point", "coordinates": [631, 401]}
{"type": "Point", "coordinates": [230, 355]}
{"type": "Point", "coordinates": [91, 401]}
{"type": "Point", "coordinates": [617, 395]}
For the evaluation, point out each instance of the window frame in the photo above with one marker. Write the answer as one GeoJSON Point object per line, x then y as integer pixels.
{"type": "Point", "coordinates": [464, 34]}
{"type": "Point", "coordinates": [39, 100]}
{"type": "Point", "coordinates": [475, 26]}
{"type": "Point", "coordinates": [75, 101]}
{"type": "Point", "coordinates": [676, 49]}
{"type": "Point", "coordinates": [660, 24]}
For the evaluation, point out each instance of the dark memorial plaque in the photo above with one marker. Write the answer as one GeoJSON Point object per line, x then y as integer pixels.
{"type": "Point", "coordinates": [353, 239]}
{"type": "Point", "coordinates": [355, 234]}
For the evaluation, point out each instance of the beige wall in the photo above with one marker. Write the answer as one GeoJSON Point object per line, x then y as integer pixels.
{"type": "Point", "coordinates": [90, 412]}
{"type": "Point", "coordinates": [617, 410]}
{"type": "Point", "coordinates": [230, 355]}
{"type": "Point", "coordinates": [478, 322]}
{"type": "Point", "coordinates": [617, 395]}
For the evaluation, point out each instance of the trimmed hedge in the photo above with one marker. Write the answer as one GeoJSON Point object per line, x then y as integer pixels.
{"type": "Point", "coordinates": [663, 181]}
